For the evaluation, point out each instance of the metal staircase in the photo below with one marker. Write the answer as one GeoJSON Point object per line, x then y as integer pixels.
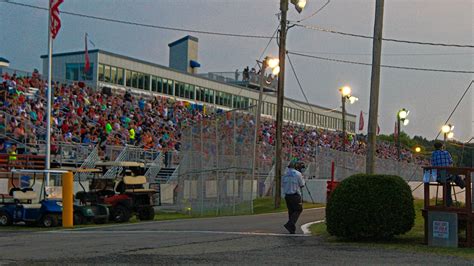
{"type": "Point", "coordinates": [116, 170]}
{"type": "Point", "coordinates": [154, 168]}
{"type": "Point", "coordinates": [88, 163]}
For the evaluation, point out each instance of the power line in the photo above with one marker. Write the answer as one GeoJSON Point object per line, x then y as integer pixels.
{"type": "Point", "coordinates": [316, 12]}
{"type": "Point", "coordinates": [317, 28]}
{"type": "Point", "coordinates": [268, 44]}
{"type": "Point", "coordinates": [147, 25]}
{"type": "Point", "coordinates": [454, 110]}
{"type": "Point", "coordinates": [384, 54]}
{"type": "Point", "coordinates": [385, 66]}
{"type": "Point", "coordinates": [301, 88]}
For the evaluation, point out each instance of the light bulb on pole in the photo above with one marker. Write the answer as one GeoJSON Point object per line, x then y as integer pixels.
{"type": "Point", "coordinates": [272, 63]}
{"type": "Point", "coordinates": [402, 115]}
{"type": "Point", "coordinates": [346, 94]}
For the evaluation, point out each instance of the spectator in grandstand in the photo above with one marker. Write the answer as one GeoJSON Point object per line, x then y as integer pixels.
{"type": "Point", "coordinates": [12, 153]}
{"type": "Point", "coordinates": [2, 147]}
{"type": "Point", "coordinates": [245, 74]}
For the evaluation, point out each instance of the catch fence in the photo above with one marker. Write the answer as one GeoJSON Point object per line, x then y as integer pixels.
{"type": "Point", "coordinates": [215, 173]}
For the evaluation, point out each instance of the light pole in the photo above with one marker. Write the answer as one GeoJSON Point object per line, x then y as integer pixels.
{"type": "Point", "coordinates": [346, 92]}
{"type": "Point", "coordinates": [299, 5]}
{"type": "Point", "coordinates": [401, 118]}
{"type": "Point", "coordinates": [272, 63]}
{"type": "Point", "coordinates": [447, 132]}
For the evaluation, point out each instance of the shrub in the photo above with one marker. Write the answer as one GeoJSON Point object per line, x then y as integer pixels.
{"type": "Point", "coordinates": [370, 207]}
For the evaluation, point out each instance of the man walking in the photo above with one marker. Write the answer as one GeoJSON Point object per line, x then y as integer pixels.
{"type": "Point", "coordinates": [292, 183]}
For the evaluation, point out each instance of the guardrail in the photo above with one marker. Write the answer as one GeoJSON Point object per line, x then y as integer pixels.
{"type": "Point", "coordinates": [21, 161]}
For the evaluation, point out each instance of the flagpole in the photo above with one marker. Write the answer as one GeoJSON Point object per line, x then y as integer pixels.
{"type": "Point", "coordinates": [48, 112]}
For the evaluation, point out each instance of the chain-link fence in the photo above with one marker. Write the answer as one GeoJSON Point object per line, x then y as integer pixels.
{"type": "Point", "coordinates": [347, 164]}
{"type": "Point", "coordinates": [215, 172]}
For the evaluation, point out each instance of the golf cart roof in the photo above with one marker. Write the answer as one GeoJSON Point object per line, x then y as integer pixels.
{"type": "Point", "coordinates": [80, 170]}
{"type": "Point", "coordinates": [42, 171]}
{"type": "Point", "coordinates": [121, 164]}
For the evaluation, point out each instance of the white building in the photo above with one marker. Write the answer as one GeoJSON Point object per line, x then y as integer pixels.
{"type": "Point", "coordinates": [224, 90]}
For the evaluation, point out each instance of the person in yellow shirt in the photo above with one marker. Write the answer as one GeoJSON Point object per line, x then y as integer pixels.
{"type": "Point", "coordinates": [12, 152]}
{"type": "Point", "coordinates": [132, 135]}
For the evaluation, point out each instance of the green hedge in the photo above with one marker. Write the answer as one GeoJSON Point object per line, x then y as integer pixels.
{"type": "Point", "coordinates": [370, 207]}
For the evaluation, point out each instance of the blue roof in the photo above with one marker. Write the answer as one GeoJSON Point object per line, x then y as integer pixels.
{"type": "Point", "coordinates": [4, 60]}
{"type": "Point", "coordinates": [189, 37]}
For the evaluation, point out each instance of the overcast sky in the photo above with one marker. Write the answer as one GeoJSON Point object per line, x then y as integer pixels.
{"type": "Point", "coordinates": [429, 96]}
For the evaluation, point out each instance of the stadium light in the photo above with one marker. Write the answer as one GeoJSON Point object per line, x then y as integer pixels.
{"type": "Point", "coordinates": [446, 128]}
{"type": "Point", "coordinates": [448, 132]}
{"type": "Point", "coordinates": [273, 64]}
{"type": "Point", "coordinates": [402, 115]}
{"type": "Point", "coordinates": [346, 92]}
{"type": "Point", "coordinates": [299, 5]}
{"type": "Point", "coordinates": [450, 135]}
{"type": "Point", "coordinates": [276, 70]}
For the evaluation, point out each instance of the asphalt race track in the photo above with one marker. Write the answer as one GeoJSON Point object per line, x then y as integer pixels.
{"type": "Point", "coordinates": [258, 239]}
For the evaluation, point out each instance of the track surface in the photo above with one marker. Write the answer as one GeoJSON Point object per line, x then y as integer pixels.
{"type": "Point", "coordinates": [258, 239]}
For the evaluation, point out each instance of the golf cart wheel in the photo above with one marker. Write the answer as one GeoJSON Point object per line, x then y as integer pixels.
{"type": "Point", "coordinates": [146, 213]}
{"type": "Point", "coordinates": [49, 220]}
{"type": "Point", "coordinates": [120, 214]}
{"type": "Point", "coordinates": [79, 218]}
{"type": "Point", "coordinates": [5, 219]}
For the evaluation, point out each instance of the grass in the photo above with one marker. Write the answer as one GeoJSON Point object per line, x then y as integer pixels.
{"type": "Point", "coordinates": [261, 206]}
{"type": "Point", "coordinates": [411, 241]}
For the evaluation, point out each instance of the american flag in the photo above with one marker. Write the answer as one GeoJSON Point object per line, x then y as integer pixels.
{"type": "Point", "coordinates": [54, 14]}
{"type": "Point", "coordinates": [87, 64]}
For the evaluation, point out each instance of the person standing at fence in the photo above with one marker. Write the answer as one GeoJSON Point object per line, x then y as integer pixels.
{"type": "Point", "coordinates": [442, 158]}
{"type": "Point", "coordinates": [292, 183]}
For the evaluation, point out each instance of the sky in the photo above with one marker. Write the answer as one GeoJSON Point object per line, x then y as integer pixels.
{"type": "Point", "coordinates": [430, 96]}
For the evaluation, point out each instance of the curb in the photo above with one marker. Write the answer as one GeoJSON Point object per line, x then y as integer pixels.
{"type": "Point", "coordinates": [305, 227]}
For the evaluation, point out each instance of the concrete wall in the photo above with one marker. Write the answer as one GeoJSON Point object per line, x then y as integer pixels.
{"type": "Point", "coordinates": [317, 187]}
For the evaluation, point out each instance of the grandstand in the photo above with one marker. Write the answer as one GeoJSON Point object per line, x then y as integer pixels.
{"type": "Point", "coordinates": [128, 109]}
{"type": "Point", "coordinates": [220, 90]}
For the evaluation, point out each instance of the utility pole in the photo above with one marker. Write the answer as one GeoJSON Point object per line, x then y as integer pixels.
{"type": "Point", "coordinates": [344, 133]}
{"type": "Point", "coordinates": [399, 145]}
{"type": "Point", "coordinates": [374, 87]}
{"type": "Point", "coordinates": [280, 101]}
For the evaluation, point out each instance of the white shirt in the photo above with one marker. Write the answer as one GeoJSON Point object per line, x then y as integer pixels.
{"type": "Point", "coordinates": [292, 181]}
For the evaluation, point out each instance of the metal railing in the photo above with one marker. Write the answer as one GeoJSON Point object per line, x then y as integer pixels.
{"type": "Point", "coordinates": [241, 79]}
{"type": "Point", "coordinates": [154, 168]}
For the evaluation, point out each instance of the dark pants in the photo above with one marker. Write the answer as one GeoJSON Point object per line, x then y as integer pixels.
{"type": "Point", "coordinates": [458, 181]}
{"type": "Point", "coordinates": [295, 207]}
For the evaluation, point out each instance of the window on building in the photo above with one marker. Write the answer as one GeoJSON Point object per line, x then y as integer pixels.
{"type": "Point", "coordinates": [141, 81]}
{"type": "Point", "coordinates": [159, 82]}
{"type": "Point", "coordinates": [75, 71]}
{"type": "Point", "coordinates": [186, 91]}
{"type": "Point", "coordinates": [154, 84]}
{"type": "Point", "coordinates": [107, 73]}
{"type": "Point", "coordinates": [100, 70]}
{"type": "Point", "coordinates": [170, 87]}
{"type": "Point", "coordinates": [128, 77]}
{"type": "Point", "coordinates": [113, 75]}
{"type": "Point", "coordinates": [134, 79]}
{"type": "Point", "coordinates": [120, 76]}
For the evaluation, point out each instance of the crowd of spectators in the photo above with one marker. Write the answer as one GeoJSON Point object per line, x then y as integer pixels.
{"type": "Point", "coordinates": [83, 115]}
